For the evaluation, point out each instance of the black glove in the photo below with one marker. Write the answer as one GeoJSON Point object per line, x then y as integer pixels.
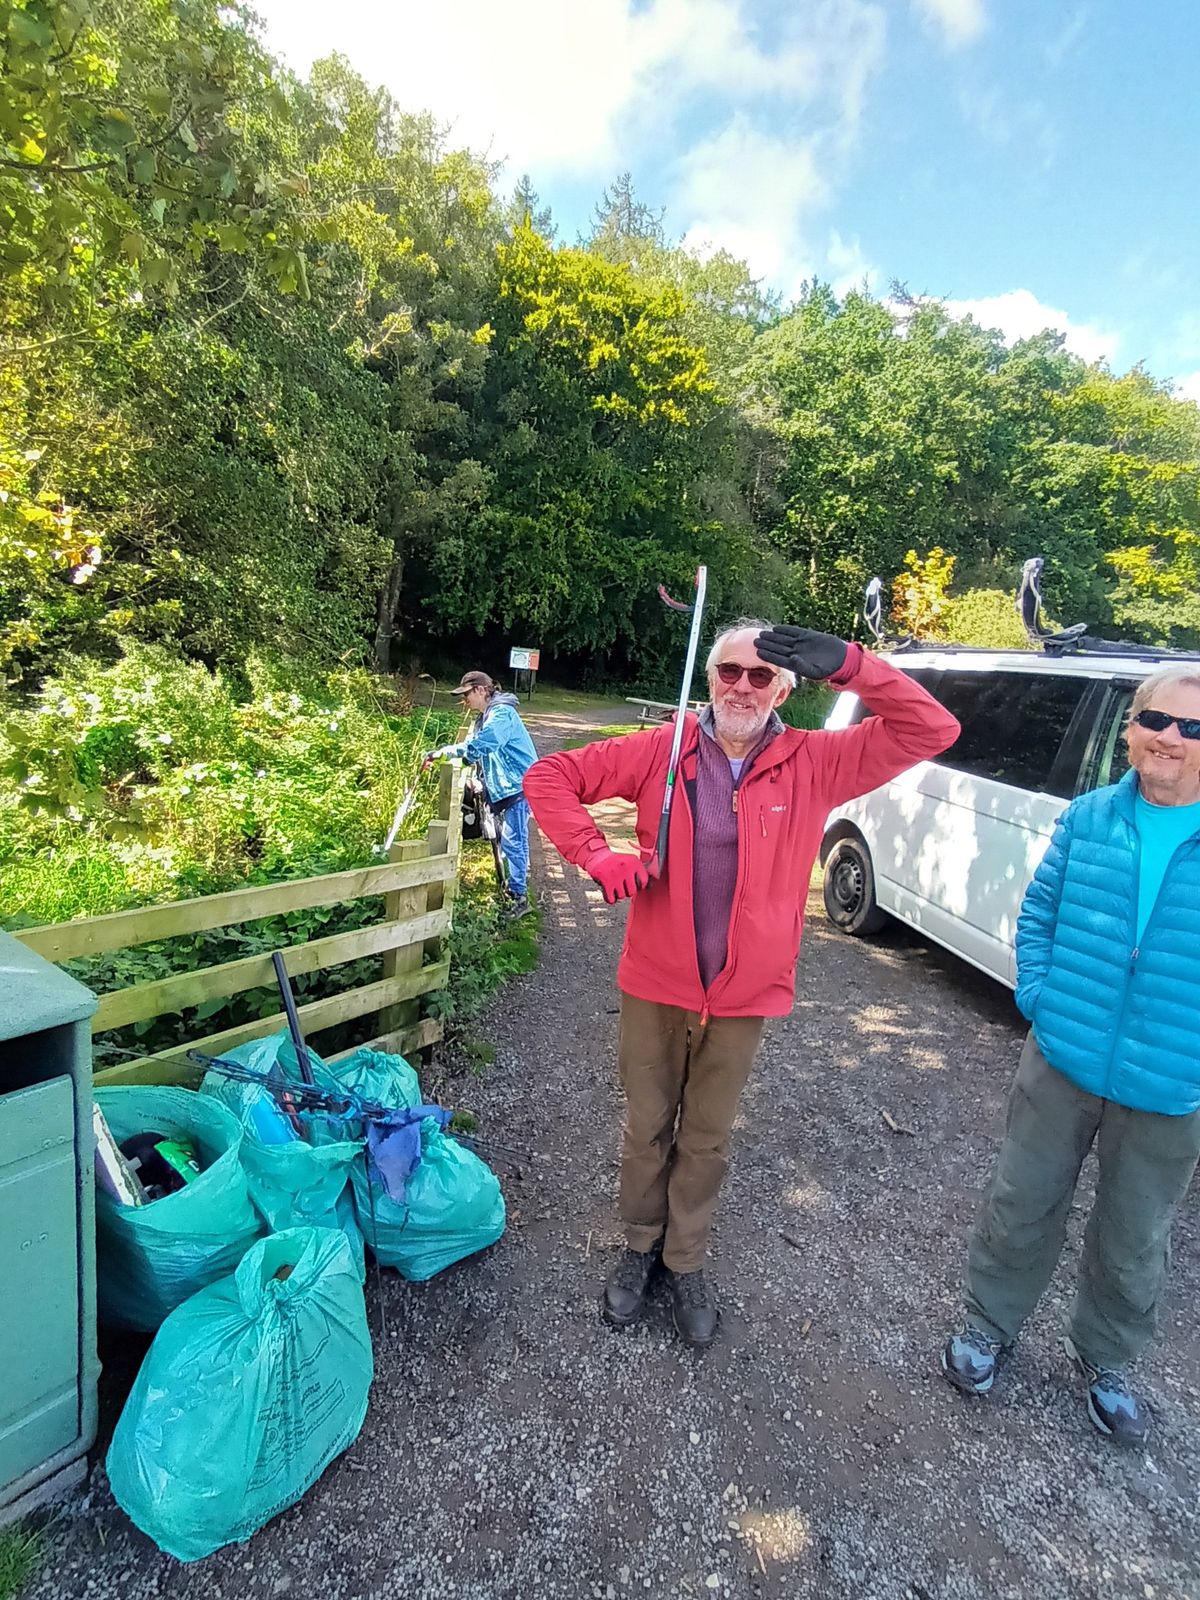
{"type": "Point", "coordinates": [800, 650]}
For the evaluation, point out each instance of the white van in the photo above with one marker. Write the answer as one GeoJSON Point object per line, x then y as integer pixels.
{"type": "Point", "coordinates": [950, 846]}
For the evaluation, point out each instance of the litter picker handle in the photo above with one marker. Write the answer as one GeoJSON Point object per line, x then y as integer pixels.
{"type": "Point", "coordinates": [293, 1021]}
{"type": "Point", "coordinates": [659, 859]}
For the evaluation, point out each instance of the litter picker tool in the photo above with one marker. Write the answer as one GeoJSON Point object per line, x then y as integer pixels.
{"type": "Point", "coordinates": [658, 860]}
{"type": "Point", "coordinates": [293, 1021]}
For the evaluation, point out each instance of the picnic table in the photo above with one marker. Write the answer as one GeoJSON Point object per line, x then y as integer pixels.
{"type": "Point", "coordinates": [658, 710]}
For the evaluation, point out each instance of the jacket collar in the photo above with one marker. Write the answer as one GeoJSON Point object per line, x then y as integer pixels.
{"type": "Point", "coordinates": [1127, 790]}
{"type": "Point", "coordinates": [775, 726]}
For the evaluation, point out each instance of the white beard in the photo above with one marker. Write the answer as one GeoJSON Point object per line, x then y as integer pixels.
{"type": "Point", "coordinates": [738, 725]}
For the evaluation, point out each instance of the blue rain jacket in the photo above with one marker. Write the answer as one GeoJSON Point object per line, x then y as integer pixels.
{"type": "Point", "coordinates": [500, 745]}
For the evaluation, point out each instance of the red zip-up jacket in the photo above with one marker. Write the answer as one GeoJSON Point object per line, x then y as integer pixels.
{"type": "Point", "coordinates": [782, 804]}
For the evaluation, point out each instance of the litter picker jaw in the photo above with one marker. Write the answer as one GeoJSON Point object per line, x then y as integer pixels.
{"type": "Point", "coordinates": [658, 861]}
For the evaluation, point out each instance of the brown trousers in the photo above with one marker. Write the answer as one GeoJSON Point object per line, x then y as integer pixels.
{"type": "Point", "coordinates": [682, 1084]}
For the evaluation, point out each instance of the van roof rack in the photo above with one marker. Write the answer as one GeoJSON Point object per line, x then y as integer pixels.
{"type": "Point", "coordinates": [1073, 641]}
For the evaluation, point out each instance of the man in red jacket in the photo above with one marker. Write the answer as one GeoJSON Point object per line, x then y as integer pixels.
{"type": "Point", "coordinates": [710, 947]}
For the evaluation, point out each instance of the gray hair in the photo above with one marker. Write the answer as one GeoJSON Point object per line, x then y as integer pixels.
{"type": "Point", "coordinates": [742, 625]}
{"type": "Point", "coordinates": [1167, 679]}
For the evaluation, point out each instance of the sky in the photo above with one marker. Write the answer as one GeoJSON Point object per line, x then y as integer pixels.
{"type": "Point", "coordinates": [1034, 162]}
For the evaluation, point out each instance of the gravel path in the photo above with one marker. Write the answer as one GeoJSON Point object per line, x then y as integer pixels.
{"type": "Point", "coordinates": [517, 1446]}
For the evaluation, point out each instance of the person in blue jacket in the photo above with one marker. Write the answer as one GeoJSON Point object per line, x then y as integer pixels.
{"type": "Point", "coordinates": [499, 744]}
{"type": "Point", "coordinates": [1108, 974]}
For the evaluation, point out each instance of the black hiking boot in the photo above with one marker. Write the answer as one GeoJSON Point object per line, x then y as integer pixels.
{"type": "Point", "coordinates": [693, 1309]}
{"type": "Point", "coordinates": [625, 1291]}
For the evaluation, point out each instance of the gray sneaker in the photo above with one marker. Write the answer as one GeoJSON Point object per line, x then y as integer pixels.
{"type": "Point", "coordinates": [517, 907]}
{"type": "Point", "coordinates": [1113, 1407]}
{"type": "Point", "coordinates": [969, 1360]}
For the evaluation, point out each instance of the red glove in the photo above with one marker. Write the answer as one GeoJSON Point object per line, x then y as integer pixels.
{"type": "Point", "coordinates": [620, 876]}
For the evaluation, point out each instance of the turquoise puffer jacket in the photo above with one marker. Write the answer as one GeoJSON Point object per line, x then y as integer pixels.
{"type": "Point", "coordinates": [500, 745]}
{"type": "Point", "coordinates": [1118, 1020]}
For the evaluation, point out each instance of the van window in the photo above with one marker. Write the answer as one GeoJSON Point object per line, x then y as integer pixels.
{"type": "Point", "coordinates": [1013, 725]}
{"type": "Point", "coordinates": [1114, 758]}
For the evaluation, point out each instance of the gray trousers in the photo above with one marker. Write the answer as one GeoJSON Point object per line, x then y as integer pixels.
{"type": "Point", "coordinates": [1146, 1164]}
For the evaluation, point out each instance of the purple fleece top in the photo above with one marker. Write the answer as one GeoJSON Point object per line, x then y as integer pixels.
{"type": "Point", "coordinates": [715, 853]}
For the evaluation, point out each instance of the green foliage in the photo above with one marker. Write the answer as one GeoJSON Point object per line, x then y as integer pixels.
{"type": "Point", "coordinates": [484, 951]}
{"type": "Point", "coordinates": [283, 375]}
{"type": "Point", "coordinates": [152, 780]}
{"type": "Point", "coordinates": [21, 1551]}
{"type": "Point", "coordinates": [920, 594]}
{"type": "Point", "coordinates": [984, 617]}
{"type": "Point", "coordinates": [135, 136]}
{"type": "Point", "coordinates": [807, 706]}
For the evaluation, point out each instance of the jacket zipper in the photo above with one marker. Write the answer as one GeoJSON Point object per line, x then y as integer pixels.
{"type": "Point", "coordinates": [734, 912]}
{"type": "Point", "coordinates": [706, 1009]}
{"type": "Point", "coordinates": [1133, 955]}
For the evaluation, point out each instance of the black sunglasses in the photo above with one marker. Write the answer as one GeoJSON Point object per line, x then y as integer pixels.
{"type": "Point", "coordinates": [760, 677]}
{"type": "Point", "coordinates": [1160, 721]}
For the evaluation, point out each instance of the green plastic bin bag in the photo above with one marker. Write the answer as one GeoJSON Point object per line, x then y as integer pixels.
{"type": "Point", "coordinates": [453, 1207]}
{"type": "Point", "coordinates": [375, 1075]}
{"type": "Point", "coordinates": [303, 1183]}
{"type": "Point", "coordinates": [150, 1258]}
{"type": "Point", "coordinates": [249, 1391]}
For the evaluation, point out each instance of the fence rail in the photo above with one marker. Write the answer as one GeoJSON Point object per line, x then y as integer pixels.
{"type": "Point", "coordinates": [418, 882]}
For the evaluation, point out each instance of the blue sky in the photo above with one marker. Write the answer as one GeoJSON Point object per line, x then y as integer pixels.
{"type": "Point", "coordinates": [1033, 161]}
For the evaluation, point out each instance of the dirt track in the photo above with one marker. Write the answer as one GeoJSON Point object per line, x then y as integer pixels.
{"type": "Point", "coordinates": [516, 1445]}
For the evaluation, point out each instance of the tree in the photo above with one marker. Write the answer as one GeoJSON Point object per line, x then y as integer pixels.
{"type": "Point", "coordinates": [623, 229]}
{"type": "Point", "coordinates": [412, 226]}
{"type": "Point", "coordinates": [593, 419]}
{"type": "Point", "coordinates": [525, 209]}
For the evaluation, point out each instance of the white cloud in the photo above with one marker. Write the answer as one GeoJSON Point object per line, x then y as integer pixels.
{"type": "Point", "coordinates": [744, 190]}
{"type": "Point", "coordinates": [1063, 43]}
{"type": "Point", "coordinates": [1188, 388]}
{"type": "Point", "coordinates": [848, 268]}
{"type": "Point", "coordinates": [746, 119]}
{"type": "Point", "coordinates": [1019, 314]}
{"type": "Point", "coordinates": [757, 184]}
{"type": "Point", "coordinates": [959, 21]}
{"type": "Point", "coordinates": [538, 83]}
{"type": "Point", "coordinates": [560, 88]}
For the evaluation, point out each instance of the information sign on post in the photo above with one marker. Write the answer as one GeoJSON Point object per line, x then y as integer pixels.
{"type": "Point", "coordinates": [522, 659]}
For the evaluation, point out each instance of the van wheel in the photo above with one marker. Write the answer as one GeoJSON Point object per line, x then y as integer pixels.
{"type": "Point", "coordinates": [850, 889]}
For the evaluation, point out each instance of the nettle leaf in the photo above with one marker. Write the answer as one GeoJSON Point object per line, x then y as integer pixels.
{"type": "Point", "coordinates": [232, 238]}
{"type": "Point", "coordinates": [27, 28]}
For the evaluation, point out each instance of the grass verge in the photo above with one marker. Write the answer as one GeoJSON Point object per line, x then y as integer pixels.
{"type": "Point", "coordinates": [616, 730]}
{"type": "Point", "coordinates": [20, 1553]}
{"type": "Point", "coordinates": [484, 952]}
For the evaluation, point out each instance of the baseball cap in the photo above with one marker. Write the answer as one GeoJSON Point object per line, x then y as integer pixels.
{"type": "Point", "coordinates": [473, 680]}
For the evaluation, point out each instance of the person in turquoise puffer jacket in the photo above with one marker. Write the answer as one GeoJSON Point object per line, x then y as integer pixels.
{"type": "Point", "coordinates": [1108, 974]}
{"type": "Point", "coordinates": [500, 746]}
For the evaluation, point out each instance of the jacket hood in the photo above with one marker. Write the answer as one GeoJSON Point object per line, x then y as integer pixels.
{"type": "Point", "coordinates": [503, 698]}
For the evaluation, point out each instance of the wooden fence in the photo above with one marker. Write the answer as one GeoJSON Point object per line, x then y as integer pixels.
{"type": "Point", "coordinates": [417, 882]}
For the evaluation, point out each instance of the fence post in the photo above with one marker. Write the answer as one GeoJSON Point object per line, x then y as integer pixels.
{"type": "Point", "coordinates": [405, 958]}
